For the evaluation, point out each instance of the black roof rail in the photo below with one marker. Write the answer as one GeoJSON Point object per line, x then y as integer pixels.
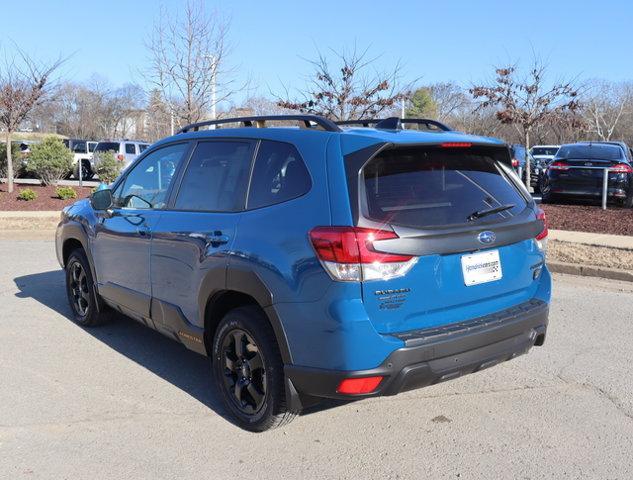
{"type": "Point", "coordinates": [308, 121]}
{"type": "Point", "coordinates": [395, 123]}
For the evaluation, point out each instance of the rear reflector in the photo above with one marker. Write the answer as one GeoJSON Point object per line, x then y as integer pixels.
{"type": "Point", "coordinates": [456, 145]}
{"type": "Point", "coordinates": [621, 168]}
{"type": "Point", "coordinates": [348, 253]}
{"type": "Point", "coordinates": [352, 386]}
{"type": "Point", "coordinates": [541, 238]}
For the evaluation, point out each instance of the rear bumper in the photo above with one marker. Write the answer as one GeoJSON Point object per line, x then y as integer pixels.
{"type": "Point", "coordinates": [616, 188]}
{"type": "Point", "coordinates": [436, 355]}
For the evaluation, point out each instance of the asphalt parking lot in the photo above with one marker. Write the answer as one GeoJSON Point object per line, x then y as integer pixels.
{"type": "Point", "coordinates": [122, 401]}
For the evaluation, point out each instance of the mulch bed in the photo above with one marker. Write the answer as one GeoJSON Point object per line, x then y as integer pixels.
{"type": "Point", "coordinates": [46, 199]}
{"type": "Point", "coordinates": [589, 218]}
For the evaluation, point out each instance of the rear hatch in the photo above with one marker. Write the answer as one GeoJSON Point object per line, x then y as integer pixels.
{"type": "Point", "coordinates": [464, 229]}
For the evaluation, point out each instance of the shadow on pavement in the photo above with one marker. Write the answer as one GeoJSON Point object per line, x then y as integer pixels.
{"type": "Point", "coordinates": [162, 356]}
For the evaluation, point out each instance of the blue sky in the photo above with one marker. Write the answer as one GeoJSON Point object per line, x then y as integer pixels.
{"type": "Point", "coordinates": [455, 40]}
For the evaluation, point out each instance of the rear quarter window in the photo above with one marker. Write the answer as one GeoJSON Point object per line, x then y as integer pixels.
{"type": "Point", "coordinates": [436, 187]}
{"type": "Point", "coordinates": [279, 175]}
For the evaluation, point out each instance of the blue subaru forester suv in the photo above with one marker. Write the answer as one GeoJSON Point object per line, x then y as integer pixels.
{"type": "Point", "coordinates": [325, 261]}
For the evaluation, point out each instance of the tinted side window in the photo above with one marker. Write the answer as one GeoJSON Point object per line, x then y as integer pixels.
{"type": "Point", "coordinates": [79, 147]}
{"type": "Point", "coordinates": [147, 183]}
{"type": "Point", "coordinates": [216, 177]}
{"type": "Point", "coordinates": [129, 148]}
{"type": "Point", "coordinates": [107, 147]}
{"type": "Point", "coordinates": [279, 175]}
{"type": "Point", "coordinates": [143, 147]}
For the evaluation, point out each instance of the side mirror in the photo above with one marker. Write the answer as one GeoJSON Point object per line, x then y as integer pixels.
{"type": "Point", "coordinates": [101, 199]}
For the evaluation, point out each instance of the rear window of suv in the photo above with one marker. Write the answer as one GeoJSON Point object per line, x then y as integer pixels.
{"type": "Point", "coordinates": [435, 187]}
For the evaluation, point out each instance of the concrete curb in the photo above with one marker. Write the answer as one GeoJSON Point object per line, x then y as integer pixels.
{"type": "Point", "coordinates": [592, 239]}
{"type": "Point", "coordinates": [29, 214]}
{"type": "Point", "coordinates": [590, 271]}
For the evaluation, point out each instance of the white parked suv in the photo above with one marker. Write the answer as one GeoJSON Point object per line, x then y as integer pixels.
{"type": "Point", "coordinates": [124, 151]}
{"type": "Point", "coordinates": [82, 155]}
{"type": "Point", "coordinates": [544, 152]}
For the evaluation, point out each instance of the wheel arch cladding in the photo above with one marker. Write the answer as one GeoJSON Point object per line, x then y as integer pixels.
{"type": "Point", "coordinates": [219, 304]}
{"type": "Point", "coordinates": [70, 245]}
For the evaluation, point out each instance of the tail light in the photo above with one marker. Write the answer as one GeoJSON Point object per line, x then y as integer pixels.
{"type": "Point", "coordinates": [353, 386]}
{"type": "Point", "coordinates": [541, 238]}
{"type": "Point", "coordinates": [559, 166]}
{"type": "Point", "coordinates": [348, 254]}
{"type": "Point", "coordinates": [515, 163]}
{"type": "Point", "coordinates": [120, 157]}
{"type": "Point", "coordinates": [621, 168]}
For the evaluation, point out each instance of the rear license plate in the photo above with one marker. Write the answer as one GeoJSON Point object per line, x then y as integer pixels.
{"type": "Point", "coordinates": [481, 267]}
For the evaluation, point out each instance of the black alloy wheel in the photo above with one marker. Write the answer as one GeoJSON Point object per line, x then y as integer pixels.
{"type": "Point", "coordinates": [244, 371]}
{"type": "Point", "coordinates": [78, 289]}
{"type": "Point", "coordinates": [249, 371]}
{"type": "Point", "coordinates": [87, 307]}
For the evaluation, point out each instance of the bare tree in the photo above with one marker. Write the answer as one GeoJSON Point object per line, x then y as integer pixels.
{"type": "Point", "coordinates": [527, 102]}
{"type": "Point", "coordinates": [24, 85]}
{"type": "Point", "coordinates": [606, 106]}
{"type": "Point", "coordinates": [350, 90]}
{"type": "Point", "coordinates": [96, 110]}
{"type": "Point", "coordinates": [158, 116]}
{"type": "Point", "coordinates": [450, 100]}
{"type": "Point", "coordinates": [189, 62]}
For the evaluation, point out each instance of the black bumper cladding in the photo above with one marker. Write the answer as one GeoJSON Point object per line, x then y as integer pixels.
{"type": "Point", "coordinates": [435, 355]}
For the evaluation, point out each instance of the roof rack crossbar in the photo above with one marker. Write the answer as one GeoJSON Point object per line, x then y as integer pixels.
{"type": "Point", "coordinates": [392, 123]}
{"type": "Point", "coordinates": [308, 121]}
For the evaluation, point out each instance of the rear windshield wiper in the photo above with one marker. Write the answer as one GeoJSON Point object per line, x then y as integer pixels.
{"type": "Point", "coordinates": [490, 211]}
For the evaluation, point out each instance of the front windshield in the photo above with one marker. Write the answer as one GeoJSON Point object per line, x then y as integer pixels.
{"type": "Point", "coordinates": [550, 151]}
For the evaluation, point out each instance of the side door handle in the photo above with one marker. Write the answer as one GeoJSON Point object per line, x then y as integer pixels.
{"type": "Point", "coordinates": [143, 230]}
{"type": "Point", "coordinates": [214, 239]}
{"type": "Point", "coordinates": [217, 238]}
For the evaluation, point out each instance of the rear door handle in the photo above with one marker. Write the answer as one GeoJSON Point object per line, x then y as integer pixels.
{"type": "Point", "coordinates": [215, 239]}
{"type": "Point", "coordinates": [143, 230]}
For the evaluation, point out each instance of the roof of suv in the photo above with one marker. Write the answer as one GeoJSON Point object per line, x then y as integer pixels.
{"type": "Point", "coordinates": [369, 135]}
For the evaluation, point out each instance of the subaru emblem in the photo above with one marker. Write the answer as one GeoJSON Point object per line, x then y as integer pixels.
{"type": "Point", "coordinates": [486, 237]}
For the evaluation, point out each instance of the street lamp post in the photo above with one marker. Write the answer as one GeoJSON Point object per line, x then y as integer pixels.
{"type": "Point", "coordinates": [214, 100]}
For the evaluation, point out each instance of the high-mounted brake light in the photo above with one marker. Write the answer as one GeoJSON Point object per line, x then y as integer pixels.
{"type": "Point", "coordinates": [348, 254]}
{"type": "Point", "coordinates": [621, 168]}
{"type": "Point", "coordinates": [559, 165]}
{"type": "Point", "coordinates": [353, 386]}
{"type": "Point", "coordinates": [456, 145]}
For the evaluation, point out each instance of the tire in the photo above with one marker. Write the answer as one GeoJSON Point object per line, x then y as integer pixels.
{"type": "Point", "coordinates": [538, 185]}
{"type": "Point", "coordinates": [86, 173]}
{"type": "Point", "coordinates": [248, 370]}
{"type": "Point", "coordinates": [87, 309]}
{"type": "Point", "coordinates": [547, 196]}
